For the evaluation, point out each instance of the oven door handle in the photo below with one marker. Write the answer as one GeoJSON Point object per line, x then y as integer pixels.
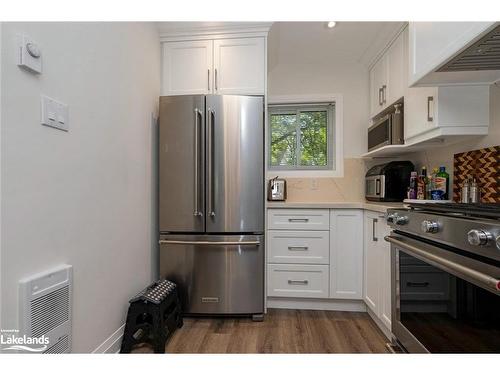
{"type": "Point", "coordinates": [479, 277]}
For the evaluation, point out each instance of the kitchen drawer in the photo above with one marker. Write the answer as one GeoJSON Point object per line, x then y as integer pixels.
{"type": "Point", "coordinates": [310, 247]}
{"type": "Point", "coordinates": [425, 285]}
{"type": "Point", "coordinates": [318, 219]}
{"type": "Point", "coordinates": [294, 280]}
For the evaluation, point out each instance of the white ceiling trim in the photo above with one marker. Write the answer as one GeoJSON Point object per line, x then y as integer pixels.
{"type": "Point", "coordinates": [229, 30]}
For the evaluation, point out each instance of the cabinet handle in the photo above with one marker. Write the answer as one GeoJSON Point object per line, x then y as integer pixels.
{"type": "Point", "coordinates": [374, 224]}
{"type": "Point", "coordinates": [298, 220]}
{"type": "Point", "coordinates": [298, 248]}
{"type": "Point", "coordinates": [208, 79]}
{"type": "Point", "coordinates": [430, 100]}
{"type": "Point", "coordinates": [216, 80]}
{"type": "Point", "coordinates": [418, 285]}
{"type": "Point", "coordinates": [380, 96]}
{"type": "Point", "coordinates": [384, 96]}
{"type": "Point", "coordinates": [298, 282]}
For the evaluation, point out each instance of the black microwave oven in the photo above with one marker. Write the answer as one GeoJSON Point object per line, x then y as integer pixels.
{"type": "Point", "coordinates": [388, 182]}
{"type": "Point", "coordinates": [387, 128]}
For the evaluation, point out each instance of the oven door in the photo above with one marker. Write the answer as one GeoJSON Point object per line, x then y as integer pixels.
{"type": "Point", "coordinates": [380, 133]}
{"type": "Point", "coordinates": [443, 302]}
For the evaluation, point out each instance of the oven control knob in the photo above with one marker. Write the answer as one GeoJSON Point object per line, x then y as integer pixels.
{"type": "Point", "coordinates": [401, 220]}
{"type": "Point", "coordinates": [429, 226]}
{"type": "Point", "coordinates": [479, 237]}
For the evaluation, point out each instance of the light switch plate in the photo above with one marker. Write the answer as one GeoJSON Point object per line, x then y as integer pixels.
{"type": "Point", "coordinates": [30, 55]}
{"type": "Point", "coordinates": [54, 113]}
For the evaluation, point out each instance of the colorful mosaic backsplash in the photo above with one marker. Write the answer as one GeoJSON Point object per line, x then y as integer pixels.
{"type": "Point", "coordinates": [482, 164]}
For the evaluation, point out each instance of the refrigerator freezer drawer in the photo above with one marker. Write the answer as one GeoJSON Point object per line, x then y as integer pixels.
{"type": "Point", "coordinates": [215, 274]}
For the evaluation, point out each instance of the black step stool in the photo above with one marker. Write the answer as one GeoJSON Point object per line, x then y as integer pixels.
{"type": "Point", "coordinates": [153, 315]}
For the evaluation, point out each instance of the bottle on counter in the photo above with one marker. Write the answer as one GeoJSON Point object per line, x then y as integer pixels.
{"type": "Point", "coordinates": [441, 182]}
{"type": "Point", "coordinates": [421, 182]}
{"type": "Point", "coordinates": [412, 191]}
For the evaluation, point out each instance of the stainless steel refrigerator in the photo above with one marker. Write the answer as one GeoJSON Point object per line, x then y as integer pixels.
{"type": "Point", "coordinates": [211, 202]}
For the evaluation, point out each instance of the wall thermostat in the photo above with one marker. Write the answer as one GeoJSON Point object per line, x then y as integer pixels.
{"type": "Point", "coordinates": [30, 55]}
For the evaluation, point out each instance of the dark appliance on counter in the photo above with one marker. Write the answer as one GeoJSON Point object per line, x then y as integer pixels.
{"type": "Point", "coordinates": [445, 260]}
{"type": "Point", "coordinates": [276, 189]}
{"type": "Point", "coordinates": [388, 182]}
{"type": "Point", "coordinates": [387, 128]}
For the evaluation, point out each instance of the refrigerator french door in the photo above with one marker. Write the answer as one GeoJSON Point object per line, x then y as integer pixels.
{"type": "Point", "coordinates": [211, 201]}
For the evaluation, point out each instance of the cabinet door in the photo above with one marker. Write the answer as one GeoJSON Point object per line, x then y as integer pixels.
{"type": "Point", "coordinates": [378, 86]}
{"type": "Point", "coordinates": [187, 67]}
{"type": "Point", "coordinates": [371, 287]}
{"type": "Point", "coordinates": [385, 273]}
{"type": "Point", "coordinates": [420, 114]}
{"type": "Point", "coordinates": [396, 72]}
{"type": "Point", "coordinates": [346, 254]}
{"type": "Point", "coordinates": [239, 66]}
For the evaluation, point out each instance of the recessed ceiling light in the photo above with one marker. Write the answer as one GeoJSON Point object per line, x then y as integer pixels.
{"type": "Point", "coordinates": [331, 24]}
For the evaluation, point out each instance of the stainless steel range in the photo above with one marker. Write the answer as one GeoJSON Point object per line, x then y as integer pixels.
{"type": "Point", "coordinates": [446, 277]}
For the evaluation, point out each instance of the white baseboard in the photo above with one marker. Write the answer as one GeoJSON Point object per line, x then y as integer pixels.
{"type": "Point", "coordinates": [112, 344]}
{"type": "Point", "coordinates": [315, 304]}
{"type": "Point", "coordinates": [378, 322]}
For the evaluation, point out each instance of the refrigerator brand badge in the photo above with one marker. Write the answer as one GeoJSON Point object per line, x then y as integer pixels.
{"type": "Point", "coordinates": [210, 299]}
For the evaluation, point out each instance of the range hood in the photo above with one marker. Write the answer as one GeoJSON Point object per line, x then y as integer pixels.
{"type": "Point", "coordinates": [454, 53]}
{"type": "Point", "coordinates": [482, 55]}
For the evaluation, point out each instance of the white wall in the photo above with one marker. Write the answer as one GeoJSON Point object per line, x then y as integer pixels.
{"type": "Point", "coordinates": [308, 59]}
{"type": "Point", "coordinates": [82, 197]}
{"type": "Point", "coordinates": [328, 73]}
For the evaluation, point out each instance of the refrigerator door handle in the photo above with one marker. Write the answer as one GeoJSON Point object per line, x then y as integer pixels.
{"type": "Point", "coordinates": [211, 121]}
{"type": "Point", "coordinates": [239, 243]}
{"type": "Point", "coordinates": [197, 117]}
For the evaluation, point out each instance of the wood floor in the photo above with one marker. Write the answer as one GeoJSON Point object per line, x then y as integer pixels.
{"type": "Point", "coordinates": [282, 331]}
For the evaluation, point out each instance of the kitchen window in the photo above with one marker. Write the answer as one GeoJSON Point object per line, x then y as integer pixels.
{"type": "Point", "coordinates": [302, 138]}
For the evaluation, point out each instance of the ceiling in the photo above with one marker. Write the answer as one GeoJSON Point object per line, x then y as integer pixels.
{"type": "Point", "coordinates": [313, 42]}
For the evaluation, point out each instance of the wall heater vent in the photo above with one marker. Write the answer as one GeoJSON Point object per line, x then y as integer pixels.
{"type": "Point", "coordinates": [46, 307]}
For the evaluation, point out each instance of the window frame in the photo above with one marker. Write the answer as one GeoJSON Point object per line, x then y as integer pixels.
{"type": "Point", "coordinates": [287, 109]}
{"type": "Point", "coordinates": [335, 141]}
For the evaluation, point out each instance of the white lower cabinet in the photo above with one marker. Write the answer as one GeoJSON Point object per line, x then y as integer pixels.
{"type": "Point", "coordinates": [377, 267]}
{"type": "Point", "coordinates": [315, 253]}
{"type": "Point", "coordinates": [309, 247]}
{"type": "Point", "coordinates": [346, 254]}
{"type": "Point", "coordinates": [292, 280]}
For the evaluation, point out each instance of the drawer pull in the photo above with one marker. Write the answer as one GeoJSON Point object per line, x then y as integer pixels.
{"type": "Point", "coordinates": [298, 248]}
{"type": "Point", "coordinates": [305, 220]}
{"type": "Point", "coordinates": [298, 282]}
{"type": "Point", "coordinates": [418, 285]}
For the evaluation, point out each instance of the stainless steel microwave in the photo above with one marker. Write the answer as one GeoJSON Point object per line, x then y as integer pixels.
{"type": "Point", "coordinates": [387, 129]}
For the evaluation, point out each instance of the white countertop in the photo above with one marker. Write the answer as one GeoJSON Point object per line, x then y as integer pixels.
{"type": "Point", "coordinates": [371, 206]}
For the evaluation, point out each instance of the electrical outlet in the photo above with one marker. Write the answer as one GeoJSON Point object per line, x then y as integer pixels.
{"type": "Point", "coordinates": [314, 184]}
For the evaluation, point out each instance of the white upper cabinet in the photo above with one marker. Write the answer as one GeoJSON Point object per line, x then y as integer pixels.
{"type": "Point", "coordinates": [239, 66]}
{"type": "Point", "coordinates": [378, 86]}
{"type": "Point", "coordinates": [445, 112]}
{"type": "Point", "coordinates": [221, 66]}
{"type": "Point", "coordinates": [187, 67]}
{"type": "Point", "coordinates": [433, 45]}
{"type": "Point", "coordinates": [396, 70]}
{"type": "Point", "coordinates": [388, 77]}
